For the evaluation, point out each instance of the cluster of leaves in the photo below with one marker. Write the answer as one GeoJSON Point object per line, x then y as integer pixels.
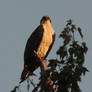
{"type": "Point", "coordinates": [66, 72]}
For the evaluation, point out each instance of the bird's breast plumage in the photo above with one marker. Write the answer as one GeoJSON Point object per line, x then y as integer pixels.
{"type": "Point", "coordinates": [46, 41]}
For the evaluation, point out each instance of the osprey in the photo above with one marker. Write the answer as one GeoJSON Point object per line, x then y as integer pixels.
{"type": "Point", "coordinates": [41, 41]}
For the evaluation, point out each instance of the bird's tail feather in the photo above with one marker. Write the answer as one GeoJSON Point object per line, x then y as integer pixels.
{"type": "Point", "coordinates": [25, 74]}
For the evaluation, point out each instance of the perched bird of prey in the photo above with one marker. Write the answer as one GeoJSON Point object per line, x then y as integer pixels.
{"type": "Point", "coordinates": [41, 41]}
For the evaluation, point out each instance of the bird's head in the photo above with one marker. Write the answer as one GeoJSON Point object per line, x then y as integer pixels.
{"type": "Point", "coordinates": [45, 19]}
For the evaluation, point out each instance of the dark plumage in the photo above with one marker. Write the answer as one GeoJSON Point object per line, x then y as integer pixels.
{"type": "Point", "coordinates": [41, 40]}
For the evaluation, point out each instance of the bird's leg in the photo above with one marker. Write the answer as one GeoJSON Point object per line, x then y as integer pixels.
{"type": "Point", "coordinates": [45, 78]}
{"type": "Point", "coordinates": [42, 60]}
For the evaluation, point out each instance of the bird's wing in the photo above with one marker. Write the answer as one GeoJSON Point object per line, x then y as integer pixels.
{"type": "Point", "coordinates": [34, 41]}
{"type": "Point", "coordinates": [32, 44]}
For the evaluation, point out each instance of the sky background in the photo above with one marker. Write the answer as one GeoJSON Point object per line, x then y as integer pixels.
{"type": "Point", "coordinates": [18, 18]}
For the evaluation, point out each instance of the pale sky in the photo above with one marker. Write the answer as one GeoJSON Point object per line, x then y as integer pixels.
{"type": "Point", "coordinates": [18, 18]}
